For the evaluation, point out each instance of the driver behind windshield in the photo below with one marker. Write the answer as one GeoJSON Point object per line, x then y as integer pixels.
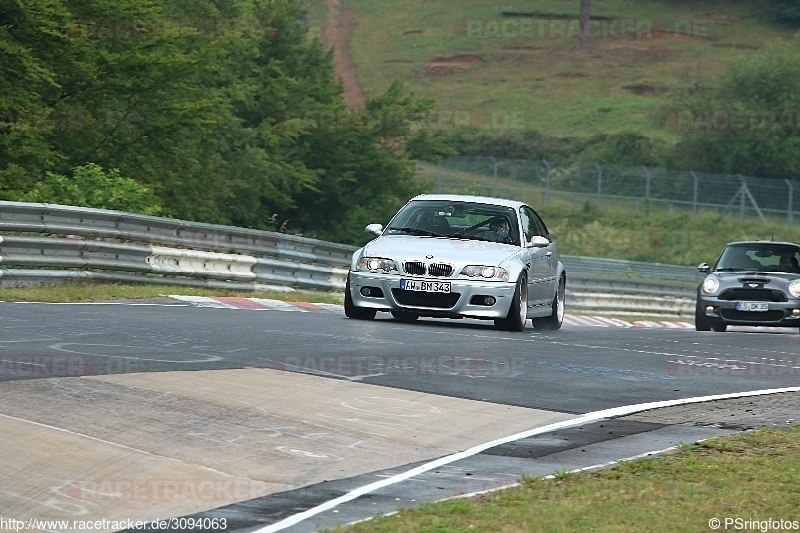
{"type": "Point", "coordinates": [500, 227]}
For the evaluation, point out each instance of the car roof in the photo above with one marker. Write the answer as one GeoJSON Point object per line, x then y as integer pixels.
{"type": "Point", "coordinates": [749, 243]}
{"type": "Point", "coordinates": [504, 202]}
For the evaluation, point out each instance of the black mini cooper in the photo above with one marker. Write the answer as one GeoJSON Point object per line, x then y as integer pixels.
{"type": "Point", "coordinates": [753, 283]}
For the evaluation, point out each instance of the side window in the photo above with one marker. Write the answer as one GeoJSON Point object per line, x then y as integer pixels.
{"type": "Point", "coordinates": [540, 223]}
{"type": "Point", "coordinates": [528, 225]}
{"type": "Point", "coordinates": [532, 224]}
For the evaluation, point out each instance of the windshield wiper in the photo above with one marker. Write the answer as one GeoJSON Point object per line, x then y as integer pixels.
{"type": "Point", "coordinates": [417, 231]}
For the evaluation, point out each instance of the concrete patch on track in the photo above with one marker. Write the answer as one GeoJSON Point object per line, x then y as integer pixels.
{"type": "Point", "coordinates": [147, 446]}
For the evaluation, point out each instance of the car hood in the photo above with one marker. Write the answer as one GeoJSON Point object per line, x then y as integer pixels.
{"type": "Point", "coordinates": [752, 276]}
{"type": "Point", "coordinates": [459, 252]}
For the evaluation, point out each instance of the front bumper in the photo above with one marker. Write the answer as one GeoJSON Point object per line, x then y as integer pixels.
{"type": "Point", "coordinates": [466, 299]}
{"type": "Point", "coordinates": [785, 314]}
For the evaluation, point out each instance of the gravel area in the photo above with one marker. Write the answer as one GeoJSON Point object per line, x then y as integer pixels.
{"type": "Point", "coordinates": [775, 410]}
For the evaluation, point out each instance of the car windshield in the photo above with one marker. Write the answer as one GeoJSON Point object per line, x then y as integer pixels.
{"type": "Point", "coordinates": [457, 220]}
{"type": "Point", "coordinates": [761, 257]}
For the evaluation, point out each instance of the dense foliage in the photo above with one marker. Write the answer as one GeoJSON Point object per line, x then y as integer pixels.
{"type": "Point", "coordinates": [747, 120]}
{"type": "Point", "coordinates": [228, 112]}
{"type": "Point", "coordinates": [223, 112]}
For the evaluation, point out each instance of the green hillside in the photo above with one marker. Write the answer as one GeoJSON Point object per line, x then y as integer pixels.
{"type": "Point", "coordinates": [499, 67]}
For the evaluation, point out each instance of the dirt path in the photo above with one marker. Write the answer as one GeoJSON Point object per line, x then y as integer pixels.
{"type": "Point", "coordinates": [336, 34]}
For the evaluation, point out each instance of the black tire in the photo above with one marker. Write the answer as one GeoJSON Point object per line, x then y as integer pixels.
{"type": "Point", "coordinates": [518, 312]}
{"type": "Point", "coordinates": [701, 322]}
{"type": "Point", "coordinates": [719, 326]}
{"type": "Point", "coordinates": [705, 323]}
{"type": "Point", "coordinates": [556, 319]}
{"type": "Point", "coordinates": [350, 309]}
{"type": "Point", "coordinates": [405, 316]}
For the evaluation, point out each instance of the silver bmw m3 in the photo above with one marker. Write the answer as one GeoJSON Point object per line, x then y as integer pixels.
{"type": "Point", "coordinates": [455, 256]}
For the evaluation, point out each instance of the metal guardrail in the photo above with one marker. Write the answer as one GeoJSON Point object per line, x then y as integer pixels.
{"type": "Point", "coordinates": [81, 243]}
{"type": "Point", "coordinates": [43, 243]}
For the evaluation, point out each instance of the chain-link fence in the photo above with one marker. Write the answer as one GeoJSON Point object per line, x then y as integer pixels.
{"type": "Point", "coordinates": [642, 188]}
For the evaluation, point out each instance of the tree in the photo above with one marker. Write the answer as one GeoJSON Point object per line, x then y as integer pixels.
{"type": "Point", "coordinates": [91, 186]}
{"type": "Point", "coordinates": [365, 169]}
{"type": "Point", "coordinates": [36, 56]}
{"type": "Point", "coordinates": [747, 123]}
{"type": "Point", "coordinates": [216, 108]}
{"type": "Point", "coordinates": [786, 12]}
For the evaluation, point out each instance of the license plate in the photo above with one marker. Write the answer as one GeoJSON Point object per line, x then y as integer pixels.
{"type": "Point", "coordinates": [752, 306]}
{"type": "Point", "coordinates": [424, 286]}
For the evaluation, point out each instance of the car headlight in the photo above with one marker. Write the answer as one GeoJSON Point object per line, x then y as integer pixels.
{"type": "Point", "coordinates": [374, 264]}
{"type": "Point", "coordinates": [794, 288]}
{"type": "Point", "coordinates": [710, 285]}
{"type": "Point", "coordinates": [488, 272]}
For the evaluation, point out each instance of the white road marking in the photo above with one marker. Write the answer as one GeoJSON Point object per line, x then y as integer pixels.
{"type": "Point", "coordinates": [583, 419]}
{"type": "Point", "coordinates": [279, 305]}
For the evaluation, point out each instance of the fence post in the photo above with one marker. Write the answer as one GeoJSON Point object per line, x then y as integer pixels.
{"type": "Point", "coordinates": [439, 176]}
{"type": "Point", "coordinates": [694, 192]}
{"type": "Point", "coordinates": [790, 207]}
{"type": "Point", "coordinates": [599, 183]}
{"type": "Point", "coordinates": [547, 181]}
{"type": "Point", "coordinates": [646, 189]}
{"type": "Point", "coordinates": [494, 174]}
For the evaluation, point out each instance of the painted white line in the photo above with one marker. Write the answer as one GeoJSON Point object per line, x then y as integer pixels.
{"type": "Point", "coordinates": [578, 320]}
{"type": "Point", "coordinates": [203, 301]}
{"type": "Point", "coordinates": [277, 305]}
{"type": "Point", "coordinates": [591, 468]}
{"type": "Point", "coordinates": [583, 419]}
{"type": "Point", "coordinates": [610, 322]}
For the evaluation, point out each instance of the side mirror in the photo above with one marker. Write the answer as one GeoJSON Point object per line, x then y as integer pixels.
{"type": "Point", "coordinates": [703, 267]}
{"type": "Point", "coordinates": [374, 229]}
{"type": "Point", "coordinates": [537, 241]}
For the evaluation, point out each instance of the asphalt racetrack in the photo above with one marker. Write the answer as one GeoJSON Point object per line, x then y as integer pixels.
{"type": "Point", "coordinates": [241, 417]}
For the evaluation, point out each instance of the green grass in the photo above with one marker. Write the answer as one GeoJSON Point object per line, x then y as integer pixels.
{"type": "Point", "coordinates": [620, 229]}
{"type": "Point", "coordinates": [619, 85]}
{"type": "Point", "coordinates": [750, 476]}
{"type": "Point", "coordinates": [86, 292]}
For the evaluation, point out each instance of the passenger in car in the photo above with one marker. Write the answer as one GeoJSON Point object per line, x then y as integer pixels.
{"type": "Point", "coordinates": [789, 263]}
